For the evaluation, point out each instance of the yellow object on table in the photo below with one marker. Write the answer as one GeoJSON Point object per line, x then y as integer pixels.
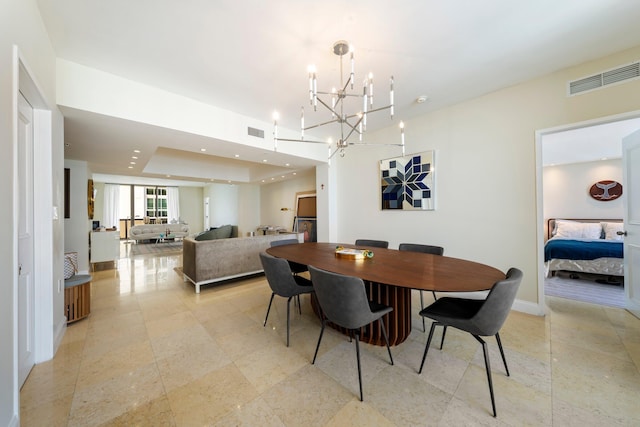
{"type": "Point", "coordinates": [351, 253]}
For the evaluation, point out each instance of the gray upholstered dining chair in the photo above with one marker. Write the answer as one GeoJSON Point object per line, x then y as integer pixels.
{"type": "Point", "coordinates": [375, 243]}
{"type": "Point", "coordinates": [283, 283]}
{"type": "Point", "coordinates": [296, 268]}
{"type": "Point", "coordinates": [425, 249]}
{"type": "Point", "coordinates": [481, 318]}
{"type": "Point", "coordinates": [344, 302]}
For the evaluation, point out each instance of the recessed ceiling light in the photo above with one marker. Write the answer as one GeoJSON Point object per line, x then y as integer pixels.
{"type": "Point", "coordinates": [168, 176]}
{"type": "Point", "coordinates": [263, 180]}
{"type": "Point", "coordinates": [134, 157]}
{"type": "Point", "coordinates": [132, 163]}
{"type": "Point", "coordinates": [272, 178]}
{"type": "Point", "coordinates": [421, 99]}
{"type": "Point", "coordinates": [286, 164]}
{"type": "Point", "coordinates": [136, 151]}
{"type": "Point", "coordinates": [264, 160]}
{"type": "Point", "coordinates": [130, 167]}
{"type": "Point", "coordinates": [203, 149]}
{"type": "Point", "coordinates": [281, 176]}
{"type": "Point", "coordinates": [236, 155]}
{"type": "Point", "coordinates": [295, 173]}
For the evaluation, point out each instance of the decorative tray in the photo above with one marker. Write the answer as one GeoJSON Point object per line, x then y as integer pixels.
{"type": "Point", "coordinates": [352, 253]}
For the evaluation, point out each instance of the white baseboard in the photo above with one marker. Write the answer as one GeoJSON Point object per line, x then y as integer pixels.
{"type": "Point", "coordinates": [14, 421]}
{"type": "Point", "coordinates": [528, 307]}
{"type": "Point", "coordinates": [58, 333]}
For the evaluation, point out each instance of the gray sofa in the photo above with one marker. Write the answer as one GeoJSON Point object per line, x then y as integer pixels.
{"type": "Point", "coordinates": [210, 261]}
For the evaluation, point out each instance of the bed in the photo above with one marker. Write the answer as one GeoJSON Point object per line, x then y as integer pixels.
{"type": "Point", "coordinates": [584, 246]}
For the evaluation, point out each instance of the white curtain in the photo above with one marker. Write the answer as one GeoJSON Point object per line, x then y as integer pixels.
{"type": "Point", "coordinates": [111, 216]}
{"type": "Point", "coordinates": [173, 204]}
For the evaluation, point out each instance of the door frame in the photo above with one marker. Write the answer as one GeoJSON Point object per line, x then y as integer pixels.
{"type": "Point", "coordinates": [539, 134]}
{"type": "Point", "coordinates": [48, 330]}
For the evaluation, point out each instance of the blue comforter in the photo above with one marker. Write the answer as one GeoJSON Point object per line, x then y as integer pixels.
{"type": "Point", "coordinates": [582, 249]}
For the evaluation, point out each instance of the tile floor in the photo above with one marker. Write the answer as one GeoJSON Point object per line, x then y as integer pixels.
{"type": "Point", "coordinates": [155, 353]}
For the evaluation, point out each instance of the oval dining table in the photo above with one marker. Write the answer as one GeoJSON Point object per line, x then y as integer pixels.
{"type": "Point", "coordinates": [389, 277]}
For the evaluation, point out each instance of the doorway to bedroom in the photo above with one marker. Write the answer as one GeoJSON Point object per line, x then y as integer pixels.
{"type": "Point", "coordinates": [574, 159]}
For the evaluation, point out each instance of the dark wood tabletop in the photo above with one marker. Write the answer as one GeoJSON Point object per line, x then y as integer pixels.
{"type": "Point", "coordinates": [398, 268]}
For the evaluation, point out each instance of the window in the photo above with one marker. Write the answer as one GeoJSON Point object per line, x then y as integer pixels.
{"type": "Point", "coordinates": [156, 203]}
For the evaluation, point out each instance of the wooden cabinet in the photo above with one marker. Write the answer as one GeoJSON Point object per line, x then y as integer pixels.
{"type": "Point", "coordinates": [105, 246]}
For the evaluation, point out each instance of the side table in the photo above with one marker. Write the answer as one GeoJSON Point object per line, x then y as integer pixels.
{"type": "Point", "coordinates": [77, 297]}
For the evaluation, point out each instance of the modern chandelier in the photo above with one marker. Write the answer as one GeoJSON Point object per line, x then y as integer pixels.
{"type": "Point", "coordinates": [335, 101]}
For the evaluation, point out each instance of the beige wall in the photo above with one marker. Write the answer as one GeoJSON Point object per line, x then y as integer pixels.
{"type": "Point", "coordinates": [486, 170]}
{"type": "Point", "coordinates": [274, 197]}
{"type": "Point", "coordinates": [191, 208]}
{"type": "Point", "coordinates": [248, 208]}
{"type": "Point", "coordinates": [223, 204]}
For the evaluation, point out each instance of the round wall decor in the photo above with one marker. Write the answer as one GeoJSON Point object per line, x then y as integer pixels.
{"type": "Point", "coordinates": [606, 191]}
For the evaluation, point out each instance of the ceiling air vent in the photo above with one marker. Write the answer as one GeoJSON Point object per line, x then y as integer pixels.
{"type": "Point", "coordinates": [255, 132]}
{"type": "Point", "coordinates": [616, 75]}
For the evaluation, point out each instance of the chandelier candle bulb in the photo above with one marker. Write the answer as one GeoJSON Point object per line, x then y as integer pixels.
{"type": "Point", "coordinates": [353, 67]}
{"type": "Point", "coordinates": [364, 109]}
{"type": "Point", "coordinates": [315, 92]}
{"type": "Point", "coordinates": [402, 137]}
{"type": "Point", "coordinates": [310, 68]}
{"type": "Point", "coordinates": [391, 97]}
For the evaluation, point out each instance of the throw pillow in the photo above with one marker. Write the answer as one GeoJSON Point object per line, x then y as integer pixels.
{"type": "Point", "coordinates": [577, 230]}
{"type": "Point", "coordinates": [611, 229]}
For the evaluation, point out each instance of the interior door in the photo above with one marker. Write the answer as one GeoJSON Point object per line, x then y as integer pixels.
{"type": "Point", "coordinates": [26, 285]}
{"type": "Point", "coordinates": [631, 172]}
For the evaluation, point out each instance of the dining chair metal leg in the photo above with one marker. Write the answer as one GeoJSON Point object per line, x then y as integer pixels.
{"type": "Point", "coordinates": [435, 298]}
{"type": "Point", "coordinates": [487, 365]}
{"type": "Point", "coordinates": [299, 306]}
{"type": "Point", "coordinates": [444, 331]}
{"type": "Point", "coordinates": [426, 348]}
{"type": "Point", "coordinates": [318, 345]}
{"type": "Point", "coordinates": [273, 294]}
{"type": "Point", "coordinates": [424, 327]}
{"type": "Point", "coordinates": [386, 340]}
{"type": "Point", "coordinates": [288, 318]}
{"type": "Point", "coordinates": [504, 360]}
{"type": "Point", "coordinates": [357, 339]}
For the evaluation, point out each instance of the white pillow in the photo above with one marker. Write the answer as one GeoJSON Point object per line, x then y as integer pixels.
{"type": "Point", "coordinates": [578, 230]}
{"type": "Point", "coordinates": [611, 229]}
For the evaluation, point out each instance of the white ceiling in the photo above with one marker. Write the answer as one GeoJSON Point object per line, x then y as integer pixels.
{"type": "Point", "coordinates": [588, 143]}
{"type": "Point", "coordinates": [251, 57]}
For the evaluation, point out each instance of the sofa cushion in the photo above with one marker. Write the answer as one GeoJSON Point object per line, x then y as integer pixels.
{"type": "Point", "coordinates": [223, 232]}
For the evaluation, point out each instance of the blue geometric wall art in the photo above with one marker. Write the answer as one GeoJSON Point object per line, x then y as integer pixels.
{"type": "Point", "coordinates": [408, 183]}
